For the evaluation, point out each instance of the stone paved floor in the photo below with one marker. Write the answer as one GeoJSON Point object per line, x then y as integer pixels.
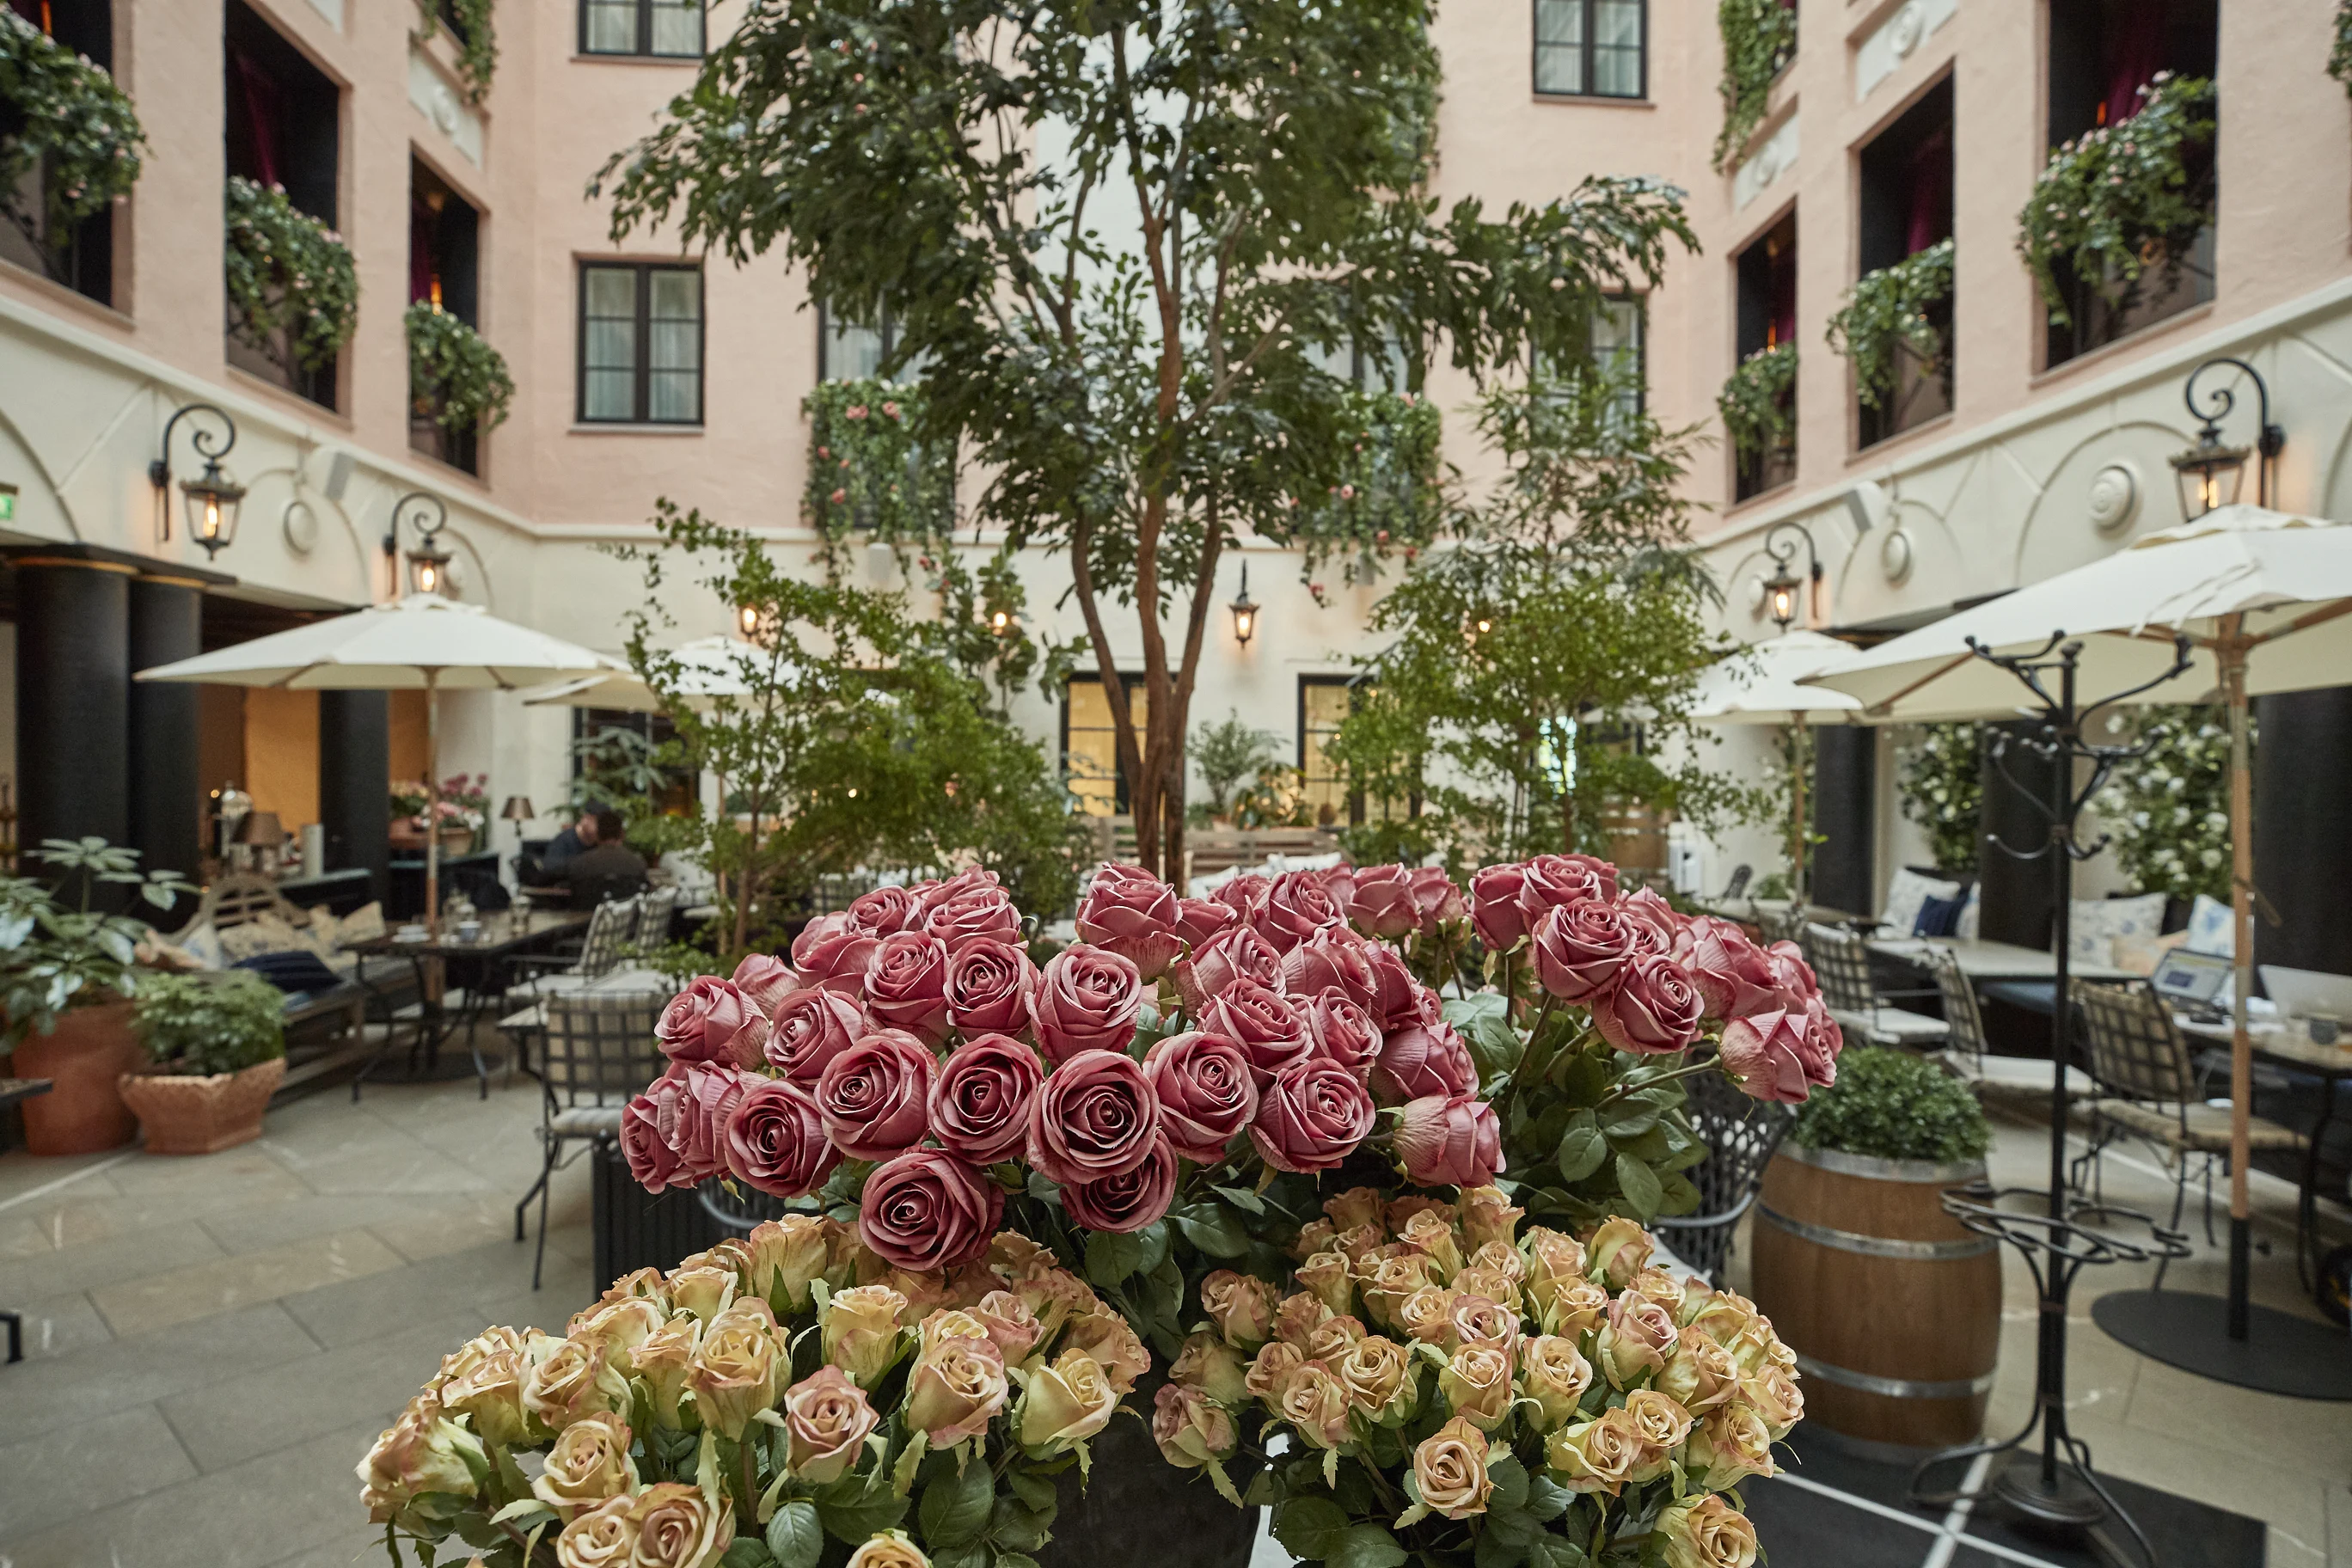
{"type": "Point", "coordinates": [212, 1343]}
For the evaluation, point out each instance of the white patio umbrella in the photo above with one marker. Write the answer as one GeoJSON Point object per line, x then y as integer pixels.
{"type": "Point", "coordinates": [1760, 684]}
{"type": "Point", "coordinates": [706, 668]}
{"type": "Point", "coordinates": [421, 642]}
{"type": "Point", "coordinates": [2265, 598]}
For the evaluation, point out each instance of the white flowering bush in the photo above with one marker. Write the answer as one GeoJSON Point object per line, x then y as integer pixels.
{"type": "Point", "coordinates": [1941, 777]}
{"type": "Point", "coordinates": [2168, 811]}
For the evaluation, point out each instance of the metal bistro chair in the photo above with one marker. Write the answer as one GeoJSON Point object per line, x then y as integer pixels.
{"type": "Point", "coordinates": [601, 1054]}
{"type": "Point", "coordinates": [1738, 883]}
{"type": "Point", "coordinates": [612, 925]}
{"type": "Point", "coordinates": [655, 907]}
{"type": "Point", "coordinates": [1741, 1134]}
{"type": "Point", "coordinates": [1969, 1057]}
{"type": "Point", "coordinates": [2150, 1090]}
{"type": "Point", "coordinates": [1841, 960]}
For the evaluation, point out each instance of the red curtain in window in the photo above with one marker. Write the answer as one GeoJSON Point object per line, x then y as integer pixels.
{"type": "Point", "coordinates": [1931, 193]}
{"type": "Point", "coordinates": [257, 102]}
{"type": "Point", "coordinates": [1783, 284]}
{"type": "Point", "coordinates": [421, 221]}
{"type": "Point", "coordinates": [2135, 58]}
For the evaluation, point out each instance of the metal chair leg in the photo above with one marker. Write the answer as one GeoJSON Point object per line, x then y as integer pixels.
{"type": "Point", "coordinates": [538, 1259]}
{"type": "Point", "coordinates": [537, 1188]}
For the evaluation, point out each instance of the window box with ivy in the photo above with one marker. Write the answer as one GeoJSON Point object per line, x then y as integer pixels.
{"type": "Point", "coordinates": [869, 474]}
{"type": "Point", "coordinates": [1384, 497]}
{"type": "Point", "coordinates": [1759, 39]}
{"type": "Point", "coordinates": [459, 387]}
{"type": "Point", "coordinates": [293, 293]}
{"type": "Point", "coordinates": [1759, 407]}
{"type": "Point", "coordinates": [1895, 330]}
{"type": "Point", "coordinates": [70, 148]}
{"type": "Point", "coordinates": [474, 32]}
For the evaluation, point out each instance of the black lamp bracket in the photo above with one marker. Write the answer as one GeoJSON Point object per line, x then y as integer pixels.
{"type": "Point", "coordinates": [2220, 401]}
{"type": "Point", "coordinates": [159, 472]}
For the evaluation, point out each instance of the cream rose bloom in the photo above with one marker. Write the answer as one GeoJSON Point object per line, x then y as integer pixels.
{"type": "Point", "coordinates": [1427, 1315]}
{"type": "Point", "coordinates": [1730, 1445]}
{"type": "Point", "coordinates": [1488, 1218]}
{"type": "Point", "coordinates": [423, 1451]}
{"type": "Point", "coordinates": [1634, 1341]}
{"type": "Point", "coordinates": [1659, 1287]}
{"type": "Point", "coordinates": [1476, 1384]}
{"type": "Point", "coordinates": [1275, 1362]}
{"type": "Point", "coordinates": [1010, 1323]}
{"type": "Point", "coordinates": [861, 1333]}
{"type": "Point", "coordinates": [678, 1527]}
{"type": "Point", "coordinates": [1553, 1261]}
{"type": "Point", "coordinates": [1241, 1306]}
{"type": "Point", "coordinates": [589, 1466]}
{"type": "Point", "coordinates": [1483, 1321]}
{"type": "Point", "coordinates": [705, 1289]}
{"type": "Point", "coordinates": [1430, 1234]}
{"type": "Point", "coordinates": [1356, 1207]}
{"type": "Point", "coordinates": [1377, 1374]}
{"type": "Point", "coordinates": [1400, 1211]}
{"type": "Point", "coordinates": [1314, 1402]}
{"type": "Point", "coordinates": [948, 1323]}
{"type": "Point", "coordinates": [1707, 1533]}
{"type": "Point", "coordinates": [1296, 1316]}
{"type": "Point", "coordinates": [827, 1421]}
{"type": "Point", "coordinates": [1449, 1470]}
{"type": "Point", "coordinates": [891, 1549]}
{"type": "Point", "coordinates": [1619, 1250]}
{"type": "Point", "coordinates": [1388, 1275]}
{"type": "Point", "coordinates": [1327, 1275]}
{"type": "Point", "coordinates": [483, 1379]}
{"type": "Point", "coordinates": [734, 1371]}
{"type": "Point", "coordinates": [957, 1385]}
{"type": "Point", "coordinates": [786, 1254]}
{"type": "Point", "coordinates": [1331, 1338]}
{"type": "Point", "coordinates": [620, 1326]}
{"type": "Point", "coordinates": [569, 1379]}
{"type": "Point", "coordinates": [1595, 1455]}
{"type": "Point", "coordinates": [1192, 1429]}
{"type": "Point", "coordinates": [1106, 1336]}
{"type": "Point", "coordinates": [1580, 1308]}
{"type": "Point", "coordinates": [1555, 1374]}
{"type": "Point", "coordinates": [662, 1359]}
{"type": "Point", "coordinates": [1664, 1424]}
{"type": "Point", "coordinates": [601, 1537]}
{"type": "Point", "coordinates": [1063, 1404]}
{"type": "Point", "coordinates": [1773, 1391]}
{"type": "Point", "coordinates": [1215, 1368]}
{"type": "Point", "coordinates": [1700, 1373]}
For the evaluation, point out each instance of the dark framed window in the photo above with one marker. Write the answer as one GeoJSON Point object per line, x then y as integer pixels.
{"type": "Point", "coordinates": [282, 127]}
{"type": "Point", "coordinates": [444, 271]}
{"type": "Point", "coordinates": [1618, 339]}
{"type": "Point", "coordinates": [1324, 703]}
{"type": "Point", "coordinates": [641, 332]}
{"type": "Point", "coordinates": [78, 255]}
{"type": "Point", "coordinates": [855, 351]}
{"type": "Point", "coordinates": [1904, 174]}
{"type": "Point", "coordinates": [669, 30]}
{"type": "Point", "coordinates": [1765, 284]}
{"type": "Point", "coordinates": [1090, 742]}
{"type": "Point", "coordinates": [1593, 48]}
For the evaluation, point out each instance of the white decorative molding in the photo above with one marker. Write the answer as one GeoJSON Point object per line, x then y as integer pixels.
{"type": "Point", "coordinates": [332, 10]}
{"type": "Point", "coordinates": [2114, 497]}
{"type": "Point", "coordinates": [436, 97]}
{"type": "Point", "coordinates": [1894, 556]}
{"type": "Point", "coordinates": [302, 526]}
{"type": "Point", "coordinates": [1766, 164]}
{"type": "Point", "coordinates": [1895, 40]}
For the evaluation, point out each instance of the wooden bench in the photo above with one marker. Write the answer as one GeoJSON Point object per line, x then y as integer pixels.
{"type": "Point", "coordinates": [1209, 850]}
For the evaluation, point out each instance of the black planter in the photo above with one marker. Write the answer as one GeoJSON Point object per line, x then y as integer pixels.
{"type": "Point", "coordinates": [638, 1230]}
{"type": "Point", "coordinates": [1141, 1510]}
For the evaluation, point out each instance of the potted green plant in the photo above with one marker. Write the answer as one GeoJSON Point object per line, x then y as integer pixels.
{"type": "Point", "coordinates": [217, 1042]}
{"type": "Point", "coordinates": [67, 971]}
{"type": "Point", "coordinates": [1893, 1307]}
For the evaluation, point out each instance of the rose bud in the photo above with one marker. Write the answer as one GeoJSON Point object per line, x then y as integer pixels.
{"type": "Point", "coordinates": [1201, 921]}
{"type": "Point", "coordinates": [1334, 958]}
{"type": "Point", "coordinates": [1548, 881]}
{"type": "Point", "coordinates": [1380, 902]}
{"type": "Point", "coordinates": [1063, 1404]}
{"type": "Point", "coordinates": [1297, 906]}
{"type": "Point", "coordinates": [1087, 999]}
{"type": "Point", "coordinates": [1130, 911]}
{"type": "Point", "coordinates": [1579, 950]}
{"type": "Point", "coordinates": [1331, 1281]}
{"type": "Point", "coordinates": [1273, 1365]}
{"type": "Point", "coordinates": [956, 1387]}
{"type": "Point", "coordinates": [733, 1371]}
{"type": "Point", "coordinates": [1269, 1027]}
{"type": "Point", "coordinates": [1730, 1445]}
{"type": "Point", "coordinates": [711, 1021]}
{"type": "Point", "coordinates": [1654, 1007]}
{"type": "Point", "coordinates": [1192, 1429]}
{"type": "Point", "coordinates": [1595, 1455]}
{"type": "Point", "coordinates": [1095, 1117]}
{"type": "Point", "coordinates": [927, 1209]}
{"type": "Point", "coordinates": [1104, 1335]}
{"type": "Point", "coordinates": [1010, 1326]}
{"type": "Point", "coordinates": [564, 1380]}
{"type": "Point", "coordinates": [980, 1099]}
{"type": "Point", "coordinates": [691, 1106]}
{"type": "Point", "coordinates": [1311, 1116]}
{"type": "Point", "coordinates": [589, 1466]}
{"type": "Point", "coordinates": [907, 985]}
{"type": "Point", "coordinates": [873, 1096]}
{"type": "Point", "coordinates": [1773, 1395]}
{"type": "Point", "coordinates": [808, 1029]}
{"type": "Point", "coordinates": [1766, 1056]}
{"type": "Point", "coordinates": [826, 1420]}
{"type": "Point", "coordinates": [423, 1451]}
{"type": "Point", "coordinates": [1654, 920]}
{"type": "Point", "coordinates": [886, 911]}
{"type": "Point", "coordinates": [787, 1254]}
{"type": "Point", "coordinates": [1449, 1142]}
{"type": "Point", "coordinates": [860, 1331]}
{"type": "Point", "coordinates": [1295, 1317]}
{"type": "Point", "coordinates": [1449, 1470]}
{"type": "Point", "coordinates": [1823, 1040]}
{"type": "Point", "coordinates": [763, 978]}
{"type": "Point", "coordinates": [1398, 999]}
{"type": "Point", "coordinates": [1129, 1200]}
{"type": "Point", "coordinates": [1392, 1276]}
{"type": "Point", "coordinates": [1475, 1384]}
{"type": "Point", "coordinates": [828, 954]}
{"type": "Point", "coordinates": [1555, 1374]}
{"type": "Point", "coordinates": [1341, 1030]}
{"type": "Point", "coordinates": [482, 1380]}
{"type": "Point", "coordinates": [776, 1140]}
{"type": "Point", "coordinates": [1240, 1305]}
{"type": "Point", "coordinates": [1618, 1249]}
{"type": "Point", "coordinates": [890, 1549]}
{"type": "Point", "coordinates": [1706, 1533]}
{"type": "Point", "coordinates": [1700, 1373]}
{"type": "Point", "coordinates": [1430, 1232]}
{"type": "Point", "coordinates": [974, 911]}
{"type": "Point", "coordinates": [1437, 902]}
{"type": "Point", "coordinates": [1495, 912]}
{"type": "Point", "coordinates": [1488, 1217]}
{"type": "Point", "coordinates": [1480, 1320]}
{"type": "Point", "coordinates": [1246, 894]}
{"type": "Point", "coordinates": [1225, 962]}
{"type": "Point", "coordinates": [1215, 1368]}
{"type": "Point", "coordinates": [1330, 1339]}
{"type": "Point", "coordinates": [620, 1325]}
{"type": "Point", "coordinates": [653, 1163]}
{"type": "Point", "coordinates": [1731, 972]}
{"type": "Point", "coordinates": [991, 987]}
{"type": "Point", "coordinates": [1635, 1339]}
{"type": "Point", "coordinates": [1420, 1061]}
{"type": "Point", "coordinates": [1206, 1092]}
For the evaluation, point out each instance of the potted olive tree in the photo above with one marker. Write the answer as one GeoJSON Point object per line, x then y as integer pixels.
{"type": "Point", "coordinates": [219, 1045]}
{"type": "Point", "coordinates": [68, 971]}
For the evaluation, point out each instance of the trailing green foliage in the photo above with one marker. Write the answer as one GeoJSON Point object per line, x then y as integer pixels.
{"type": "Point", "coordinates": [1758, 402]}
{"type": "Point", "coordinates": [1386, 497]}
{"type": "Point", "coordinates": [869, 474]}
{"type": "Point", "coordinates": [1227, 755]}
{"type": "Point", "coordinates": [56, 953]}
{"type": "Point", "coordinates": [1887, 309]}
{"type": "Point", "coordinates": [286, 272]}
{"type": "Point", "coordinates": [71, 122]}
{"type": "Point", "coordinates": [453, 371]}
{"type": "Point", "coordinates": [207, 1024]}
{"type": "Point", "coordinates": [1941, 779]}
{"type": "Point", "coordinates": [2168, 811]}
{"type": "Point", "coordinates": [1889, 1104]}
{"type": "Point", "coordinates": [478, 40]}
{"type": "Point", "coordinates": [2339, 55]}
{"type": "Point", "coordinates": [1760, 37]}
{"type": "Point", "coordinates": [2115, 199]}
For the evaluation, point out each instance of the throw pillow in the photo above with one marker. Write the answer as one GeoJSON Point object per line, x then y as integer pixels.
{"type": "Point", "coordinates": [2097, 923]}
{"type": "Point", "coordinates": [1904, 894]}
{"type": "Point", "coordinates": [203, 945]}
{"type": "Point", "coordinates": [2210, 927]}
{"type": "Point", "coordinates": [1938, 917]}
{"type": "Point", "coordinates": [1971, 914]}
{"type": "Point", "coordinates": [266, 934]}
{"type": "Point", "coordinates": [363, 924]}
{"type": "Point", "coordinates": [2141, 954]}
{"type": "Point", "coordinates": [295, 971]}
{"type": "Point", "coordinates": [325, 926]}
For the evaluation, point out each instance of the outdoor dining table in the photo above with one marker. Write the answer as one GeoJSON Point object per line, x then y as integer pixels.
{"type": "Point", "coordinates": [2287, 1043]}
{"type": "Point", "coordinates": [1982, 960]}
{"type": "Point", "coordinates": [502, 936]}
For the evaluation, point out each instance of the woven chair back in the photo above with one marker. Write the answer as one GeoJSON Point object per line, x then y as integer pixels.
{"type": "Point", "coordinates": [1842, 964]}
{"type": "Point", "coordinates": [601, 1051]}
{"type": "Point", "coordinates": [1961, 1013]}
{"type": "Point", "coordinates": [609, 927]}
{"type": "Point", "coordinates": [2137, 1051]}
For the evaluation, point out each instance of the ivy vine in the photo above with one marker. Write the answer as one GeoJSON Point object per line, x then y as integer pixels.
{"type": "Point", "coordinates": [2339, 58]}
{"type": "Point", "coordinates": [1759, 37]}
{"type": "Point", "coordinates": [869, 474]}
{"type": "Point", "coordinates": [453, 375]}
{"type": "Point", "coordinates": [477, 36]}
{"type": "Point", "coordinates": [1758, 402]}
{"type": "Point", "coordinates": [286, 272]}
{"type": "Point", "coordinates": [1386, 496]}
{"type": "Point", "coordinates": [2117, 198]}
{"type": "Point", "coordinates": [1887, 309]}
{"type": "Point", "coordinates": [71, 123]}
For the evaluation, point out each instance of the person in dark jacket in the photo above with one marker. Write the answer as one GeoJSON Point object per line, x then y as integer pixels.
{"type": "Point", "coordinates": [608, 868]}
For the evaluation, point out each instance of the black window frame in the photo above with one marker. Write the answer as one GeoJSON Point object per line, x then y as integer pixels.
{"type": "Point", "coordinates": [1640, 301]}
{"type": "Point", "coordinates": [645, 50]}
{"type": "Point", "coordinates": [1129, 681]}
{"type": "Point", "coordinates": [887, 327]}
{"type": "Point", "coordinates": [1537, 45]}
{"type": "Point", "coordinates": [641, 370]}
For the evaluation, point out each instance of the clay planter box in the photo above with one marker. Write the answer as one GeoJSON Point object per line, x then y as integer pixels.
{"type": "Point", "coordinates": [85, 1056]}
{"type": "Point", "coordinates": [184, 1114]}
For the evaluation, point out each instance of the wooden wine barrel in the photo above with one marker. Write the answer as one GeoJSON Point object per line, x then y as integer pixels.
{"type": "Point", "coordinates": [1894, 1309]}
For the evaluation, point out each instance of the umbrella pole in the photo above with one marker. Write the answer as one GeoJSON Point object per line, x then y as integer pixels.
{"type": "Point", "coordinates": [1798, 857]}
{"type": "Point", "coordinates": [2232, 651]}
{"type": "Point", "coordinates": [433, 802]}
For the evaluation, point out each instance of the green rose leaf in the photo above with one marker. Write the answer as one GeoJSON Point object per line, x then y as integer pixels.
{"type": "Point", "coordinates": [1510, 1479]}
{"type": "Point", "coordinates": [746, 1552]}
{"type": "Point", "coordinates": [1368, 1546]}
{"type": "Point", "coordinates": [1549, 1551]}
{"type": "Point", "coordinates": [1214, 1230]}
{"type": "Point", "coordinates": [955, 1506]}
{"type": "Point", "coordinates": [1581, 1147]}
{"type": "Point", "coordinates": [1639, 1183]}
{"type": "Point", "coordinates": [860, 1521]}
{"type": "Point", "coordinates": [795, 1538]}
{"type": "Point", "coordinates": [1310, 1527]}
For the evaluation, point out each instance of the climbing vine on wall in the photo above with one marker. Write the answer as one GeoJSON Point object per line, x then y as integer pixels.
{"type": "Point", "coordinates": [2339, 58]}
{"type": "Point", "coordinates": [867, 474]}
{"type": "Point", "coordinates": [2117, 198]}
{"type": "Point", "coordinates": [1888, 309]}
{"type": "Point", "coordinates": [1941, 780]}
{"type": "Point", "coordinates": [2168, 811]}
{"type": "Point", "coordinates": [1760, 37]}
{"type": "Point", "coordinates": [476, 37]}
{"type": "Point", "coordinates": [286, 272]}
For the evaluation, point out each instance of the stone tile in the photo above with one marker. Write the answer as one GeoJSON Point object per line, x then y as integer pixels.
{"type": "Point", "coordinates": [102, 1263]}
{"type": "Point", "coordinates": [419, 1233]}
{"type": "Point", "coordinates": [44, 1393]}
{"type": "Point", "coordinates": [354, 1310]}
{"type": "Point", "coordinates": [75, 1219]}
{"type": "Point", "coordinates": [319, 1214]}
{"type": "Point", "coordinates": [60, 1325]}
{"type": "Point", "coordinates": [2209, 1464]}
{"type": "Point", "coordinates": [21, 1173]}
{"type": "Point", "coordinates": [2310, 1437]}
{"type": "Point", "coordinates": [159, 1299]}
{"type": "Point", "coordinates": [78, 1470]}
{"type": "Point", "coordinates": [2338, 1547]}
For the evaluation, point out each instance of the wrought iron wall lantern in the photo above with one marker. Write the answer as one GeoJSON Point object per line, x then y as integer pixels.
{"type": "Point", "coordinates": [429, 563]}
{"type": "Point", "coordinates": [1245, 611]}
{"type": "Point", "coordinates": [1780, 588]}
{"type": "Point", "coordinates": [2210, 473]}
{"type": "Point", "coordinates": [213, 497]}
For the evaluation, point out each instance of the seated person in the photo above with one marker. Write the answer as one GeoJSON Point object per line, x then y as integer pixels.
{"type": "Point", "coordinates": [566, 846]}
{"type": "Point", "coordinates": [608, 868]}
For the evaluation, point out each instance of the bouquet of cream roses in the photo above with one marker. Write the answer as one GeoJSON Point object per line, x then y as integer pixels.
{"type": "Point", "coordinates": [786, 1400]}
{"type": "Point", "coordinates": [1441, 1386]}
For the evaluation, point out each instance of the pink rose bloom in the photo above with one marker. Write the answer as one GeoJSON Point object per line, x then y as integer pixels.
{"type": "Point", "coordinates": [928, 1210]}
{"type": "Point", "coordinates": [1655, 925]}
{"type": "Point", "coordinates": [931, 895]}
{"type": "Point", "coordinates": [1733, 974]}
{"type": "Point", "coordinates": [1450, 1140]}
{"type": "Point", "coordinates": [1548, 881]}
{"type": "Point", "coordinates": [1655, 1007]}
{"type": "Point", "coordinates": [1132, 914]}
{"type": "Point", "coordinates": [1342, 1030]}
{"type": "Point", "coordinates": [1766, 1053]}
{"type": "Point", "coordinates": [874, 1095]}
{"type": "Point", "coordinates": [1495, 912]}
{"type": "Point", "coordinates": [991, 987]}
{"type": "Point", "coordinates": [1206, 1091]}
{"type": "Point", "coordinates": [1201, 921]}
{"type": "Point", "coordinates": [1087, 999]}
{"type": "Point", "coordinates": [886, 911]}
{"type": "Point", "coordinates": [1793, 977]}
{"type": "Point", "coordinates": [1580, 948]}
{"type": "Point", "coordinates": [1130, 1200]}
{"type": "Point", "coordinates": [763, 978]}
{"type": "Point", "coordinates": [1269, 1027]}
{"type": "Point", "coordinates": [828, 954]}
{"type": "Point", "coordinates": [1297, 906]}
{"type": "Point", "coordinates": [711, 1021]}
{"type": "Point", "coordinates": [1312, 1117]}
{"type": "Point", "coordinates": [971, 911]}
{"type": "Point", "coordinates": [1436, 901]}
{"type": "Point", "coordinates": [776, 1140]}
{"type": "Point", "coordinates": [1333, 957]}
{"type": "Point", "coordinates": [1381, 903]}
{"type": "Point", "coordinates": [980, 1096]}
{"type": "Point", "coordinates": [906, 983]}
{"type": "Point", "coordinates": [1422, 1060]}
{"type": "Point", "coordinates": [810, 1027]}
{"type": "Point", "coordinates": [696, 1122]}
{"type": "Point", "coordinates": [1226, 961]}
{"type": "Point", "coordinates": [1246, 895]}
{"type": "Point", "coordinates": [1397, 999]}
{"type": "Point", "coordinates": [1095, 1117]}
{"type": "Point", "coordinates": [1823, 1040]}
{"type": "Point", "coordinates": [653, 1163]}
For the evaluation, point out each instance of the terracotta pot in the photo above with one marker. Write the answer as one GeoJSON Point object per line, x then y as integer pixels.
{"type": "Point", "coordinates": [189, 1115]}
{"type": "Point", "coordinates": [90, 1048]}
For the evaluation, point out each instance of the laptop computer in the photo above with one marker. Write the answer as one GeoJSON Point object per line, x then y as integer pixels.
{"type": "Point", "coordinates": [2308, 993]}
{"type": "Point", "coordinates": [2193, 981]}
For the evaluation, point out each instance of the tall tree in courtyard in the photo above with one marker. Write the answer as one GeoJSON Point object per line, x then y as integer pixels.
{"type": "Point", "coordinates": [1122, 239]}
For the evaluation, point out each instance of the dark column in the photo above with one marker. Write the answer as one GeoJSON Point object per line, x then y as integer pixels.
{"type": "Point", "coordinates": [354, 771]}
{"type": "Point", "coordinates": [166, 792]}
{"type": "Point", "coordinates": [2016, 903]}
{"type": "Point", "coordinates": [2303, 833]}
{"type": "Point", "coordinates": [73, 702]}
{"type": "Point", "coordinates": [1845, 796]}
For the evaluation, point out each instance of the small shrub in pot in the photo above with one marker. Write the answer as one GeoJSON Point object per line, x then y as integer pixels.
{"type": "Point", "coordinates": [1890, 1105]}
{"type": "Point", "coordinates": [218, 1042]}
